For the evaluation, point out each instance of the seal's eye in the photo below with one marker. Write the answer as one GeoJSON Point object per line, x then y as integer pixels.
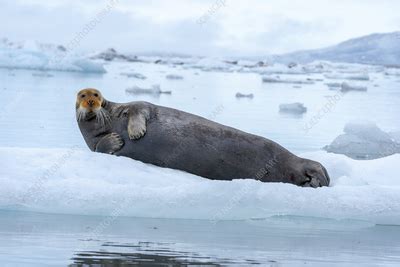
{"type": "Point", "coordinates": [82, 96]}
{"type": "Point", "coordinates": [96, 95]}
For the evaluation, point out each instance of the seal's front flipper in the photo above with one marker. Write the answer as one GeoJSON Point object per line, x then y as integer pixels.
{"type": "Point", "coordinates": [110, 144]}
{"type": "Point", "coordinates": [137, 125]}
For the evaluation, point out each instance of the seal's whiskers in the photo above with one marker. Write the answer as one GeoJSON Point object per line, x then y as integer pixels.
{"type": "Point", "coordinates": [103, 117]}
{"type": "Point", "coordinates": [80, 114]}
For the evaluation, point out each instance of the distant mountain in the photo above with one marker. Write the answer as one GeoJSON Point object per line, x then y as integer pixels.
{"type": "Point", "coordinates": [379, 49]}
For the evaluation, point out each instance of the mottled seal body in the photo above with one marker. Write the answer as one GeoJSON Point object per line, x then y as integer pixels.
{"type": "Point", "coordinates": [175, 139]}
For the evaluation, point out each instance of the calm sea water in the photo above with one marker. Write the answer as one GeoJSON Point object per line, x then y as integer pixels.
{"type": "Point", "coordinates": [32, 239]}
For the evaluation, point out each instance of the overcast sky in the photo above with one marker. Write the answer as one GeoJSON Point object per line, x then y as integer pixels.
{"type": "Point", "coordinates": [214, 27]}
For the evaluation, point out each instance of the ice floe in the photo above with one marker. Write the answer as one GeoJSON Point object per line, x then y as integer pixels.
{"type": "Point", "coordinates": [81, 182]}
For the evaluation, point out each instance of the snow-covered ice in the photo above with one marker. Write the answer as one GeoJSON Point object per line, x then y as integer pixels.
{"type": "Point", "coordinates": [81, 182]}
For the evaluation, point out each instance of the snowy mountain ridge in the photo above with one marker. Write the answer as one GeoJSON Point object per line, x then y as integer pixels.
{"type": "Point", "coordinates": [375, 49]}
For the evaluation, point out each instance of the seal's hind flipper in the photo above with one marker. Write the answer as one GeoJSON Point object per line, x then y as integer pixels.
{"type": "Point", "coordinates": [110, 144]}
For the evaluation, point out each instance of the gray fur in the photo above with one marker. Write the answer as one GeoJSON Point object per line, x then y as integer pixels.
{"type": "Point", "coordinates": [175, 139]}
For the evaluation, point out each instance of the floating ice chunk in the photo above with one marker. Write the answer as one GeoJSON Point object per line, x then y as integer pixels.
{"type": "Point", "coordinates": [295, 108]}
{"type": "Point", "coordinates": [364, 140]}
{"type": "Point", "coordinates": [267, 79]}
{"type": "Point", "coordinates": [133, 75]}
{"type": "Point", "coordinates": [154, 90]}
{"type": "Point", "coordinates": [356, 77]}
{"type": "Point", "coordinates": [174, 77]}
{"type": "Point", "coordinates": [345, 87]}
{"type": "Point", "coordinates": [240, 95]}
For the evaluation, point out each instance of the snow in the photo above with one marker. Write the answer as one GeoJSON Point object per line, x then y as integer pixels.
{"type": "Point", "coordinates": [364, 140]}
{"type": "Point", "coordinates": [296, 108]}
{"type": "Point", "coordinates": [36, 56]}
{"type": "Point", "coordinates": [374, 49]}
{"type": "Point", "coordinates": [75, 181]}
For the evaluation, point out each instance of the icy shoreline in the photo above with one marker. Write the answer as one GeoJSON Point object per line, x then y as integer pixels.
{"type": "Point", "coordinates": [44, 57]}
{"type": "Point", "coordinates": [80, 182]}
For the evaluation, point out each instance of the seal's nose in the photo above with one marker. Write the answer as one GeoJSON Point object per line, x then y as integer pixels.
{"type": "Point", "coordinates": [90, 103]}
{"type": "Point", "coordinates": [317, 176]}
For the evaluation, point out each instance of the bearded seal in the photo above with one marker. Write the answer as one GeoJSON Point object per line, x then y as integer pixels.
{"type": "Point", "coordinates": [175, 139]}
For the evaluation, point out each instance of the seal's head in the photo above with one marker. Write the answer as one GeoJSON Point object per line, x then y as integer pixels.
{"type": "Point", "coordinates": [89, 105]}
{"type": "Point", "coordinates": [312, 174]}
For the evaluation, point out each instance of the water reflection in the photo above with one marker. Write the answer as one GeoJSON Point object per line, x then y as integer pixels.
{"type": "Point", "coordinates": [150, 254]}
